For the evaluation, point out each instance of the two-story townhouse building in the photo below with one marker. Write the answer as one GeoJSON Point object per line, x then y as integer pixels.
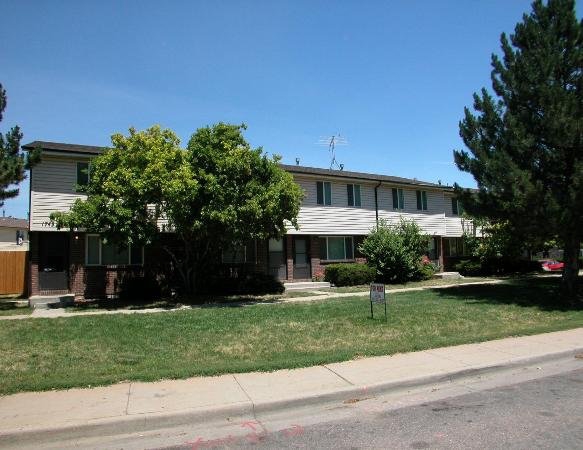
{"type": "Point", "coordinates": [339, 209]}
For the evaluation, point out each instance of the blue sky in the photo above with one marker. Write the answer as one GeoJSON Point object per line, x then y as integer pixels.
{"type": "Point", "coordinates": [391, 77]}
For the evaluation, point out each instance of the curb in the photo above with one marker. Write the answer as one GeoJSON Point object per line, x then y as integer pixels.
{"type": "Point", "coordinates": [118, 425]}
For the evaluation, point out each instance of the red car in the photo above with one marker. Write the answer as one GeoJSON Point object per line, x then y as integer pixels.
{"type": "Point", "coordinates": [550, 265]}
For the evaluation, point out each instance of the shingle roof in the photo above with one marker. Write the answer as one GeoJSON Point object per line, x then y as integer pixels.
{"type": "Point", "coordinates": [359, 176]}
{"type": "Point", "coordinates": [11, 222]}
{"type": "Point", "coordinates": [61, 147]}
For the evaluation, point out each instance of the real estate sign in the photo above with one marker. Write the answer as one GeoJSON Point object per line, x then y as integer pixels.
{"type": "Point", "coordinates": [377, 295]}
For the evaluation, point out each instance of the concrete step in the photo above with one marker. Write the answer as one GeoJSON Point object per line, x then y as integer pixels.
{"type": "Point", "coordinates": [448, 275]}
{"type": "Point", "coordinates": [306, 285]}
{"type": "Point", "coordinates": [50, 301]}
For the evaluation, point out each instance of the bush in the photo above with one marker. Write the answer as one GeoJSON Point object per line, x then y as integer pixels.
{"type": "Point", "coordinates": [496, 266]}
{"type": "Point", "coordinates": [469, 267]}
{"type": "Point", "coordinates": [249, 284]}
{"type": "Point", "coordinates": [396, 251]}
{"type": "Point", "coordinates": [349, 274]}
{"type": "Point", "coordinates": [426, 271]}
{"type": "Point", "coordinates": [139, 288]}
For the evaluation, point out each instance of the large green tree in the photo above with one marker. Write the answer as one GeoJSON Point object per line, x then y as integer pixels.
{"type": "Point", "coordinates": [216, 193]}
{"type": "Point", "coordinates": [526, 141]}
{"type": "Point", "coordinates": [13, 163]}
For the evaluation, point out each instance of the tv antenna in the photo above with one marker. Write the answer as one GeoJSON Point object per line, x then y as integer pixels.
{"type": "Point", "coordinates": [331, 142]}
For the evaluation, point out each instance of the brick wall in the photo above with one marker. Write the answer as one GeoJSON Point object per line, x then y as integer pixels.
{"type": "Point", "coordinates": [33, 288]}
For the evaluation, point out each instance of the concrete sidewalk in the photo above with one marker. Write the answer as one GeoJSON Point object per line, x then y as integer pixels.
{"type": "Point", "coordinates": [137, 406]}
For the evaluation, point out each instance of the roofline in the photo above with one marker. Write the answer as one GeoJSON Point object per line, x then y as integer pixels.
{"type": "Point", "coordinates": [88, 150]}
{"type": "Point", "coordinates": [314, 171]}
{"type": "Point", "coordinates": [63, 147]}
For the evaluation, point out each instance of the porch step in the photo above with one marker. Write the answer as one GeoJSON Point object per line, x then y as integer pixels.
{"type": "Point", "coordinates": [448, 275]}
{"type": "Point", "coordinates": [50, 301]}
{"type": "Point", "coordinates": [306, 285]}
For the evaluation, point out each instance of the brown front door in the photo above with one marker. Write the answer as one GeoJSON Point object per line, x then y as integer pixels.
{"type": "Point", "coordinates": [302, 270]}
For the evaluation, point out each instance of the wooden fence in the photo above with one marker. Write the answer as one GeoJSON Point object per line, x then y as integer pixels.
{"type": "Point", "coordinates": [13, 272]}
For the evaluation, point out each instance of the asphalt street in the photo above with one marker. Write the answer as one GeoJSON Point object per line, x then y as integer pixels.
{"type": "Point", "coordinates": [545, 413]}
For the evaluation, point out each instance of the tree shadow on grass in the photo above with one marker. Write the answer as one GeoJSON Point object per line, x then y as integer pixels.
{"type": "Point", "coordinates": [543, 293]}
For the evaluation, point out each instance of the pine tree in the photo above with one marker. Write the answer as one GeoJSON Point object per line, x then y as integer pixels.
{"type": "Point", "coordinates": [526, 141]}
{"type": "Point", "coordinates": [13, 163]}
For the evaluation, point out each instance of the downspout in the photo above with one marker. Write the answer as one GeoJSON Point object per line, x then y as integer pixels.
{"type": "Point", "coordinates": [376, 202]}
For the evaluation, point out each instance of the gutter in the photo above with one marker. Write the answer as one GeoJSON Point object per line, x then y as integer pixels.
{"type": "Point", "coordinates": [376, 202]}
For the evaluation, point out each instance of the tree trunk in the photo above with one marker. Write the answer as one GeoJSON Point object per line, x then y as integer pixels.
{"type": "Point", "coordinates": [570, 270]}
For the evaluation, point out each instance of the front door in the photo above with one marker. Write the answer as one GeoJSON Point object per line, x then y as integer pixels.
{"type": "Point", "coordinates": [53, 269]}
{"type": "Point", "coordinates": [277, 263]}
{"type": "Point", "coordinates": [302, 269]}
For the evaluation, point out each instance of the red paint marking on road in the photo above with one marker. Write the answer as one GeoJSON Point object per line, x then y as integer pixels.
{"type": "Point", "coordinates": [196, 444]}
{"type": "Point", "coordinates": [254, 437]}
{"type": "Point", "coordinates": [250, 424]}
{"type": "Point", "coordinates": [294, 430]}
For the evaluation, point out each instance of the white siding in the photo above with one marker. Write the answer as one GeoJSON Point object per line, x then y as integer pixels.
{"type": "Point", "coordinates": [341, 219]}
{"type": "Point", "coordinates": [52, 189]}
{"type": "Point", "coordinates": [54, 180]}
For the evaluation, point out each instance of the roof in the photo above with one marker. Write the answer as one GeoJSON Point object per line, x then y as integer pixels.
{"type": "Point", "coordinates": [65, 148]}
{"type": "Point", "coordinates": [359, 176]}
{"type": "Point", "coordinates": [93, 150]}
{"type": "Point", "coordinates": [11, 222]}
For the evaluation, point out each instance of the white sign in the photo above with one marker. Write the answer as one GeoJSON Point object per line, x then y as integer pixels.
{"type": "Point", "coordinates": [377, 293]}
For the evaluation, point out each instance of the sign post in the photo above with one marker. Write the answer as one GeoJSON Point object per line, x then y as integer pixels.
{"type": "Point", "coordinates": [377, 295]}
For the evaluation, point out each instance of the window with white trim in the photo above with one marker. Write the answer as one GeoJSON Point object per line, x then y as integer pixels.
{"type": "Point", "coordinates": [353, 192]}
{"type": "Point", "coordinates": [398, 199]}
{"type": "Point", "coordinates": [456, 207]}
{"type": "Point", "coordinates": [100, 253]}
{"type": "Point", "coordinates": [323, 193]}
{"type": "Point", "coordinates": [422, 200]}
{"type": "Point", "coordinates": [336, 248]}
{"type": "Point", "coordinates": [83, 174]}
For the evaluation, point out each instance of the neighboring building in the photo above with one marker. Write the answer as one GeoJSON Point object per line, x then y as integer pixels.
{"type": "Point", "coordinates": [13, 234]}
{"type": "Point", "coordinates": [338, 211]}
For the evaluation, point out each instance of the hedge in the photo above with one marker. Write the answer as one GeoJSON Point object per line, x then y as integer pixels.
{"type": "Point", "coordinates": [349, 274]}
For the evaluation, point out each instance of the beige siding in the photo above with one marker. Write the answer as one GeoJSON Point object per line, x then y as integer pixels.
{"type": "Point", "coordinates": [52, 189]}
{"type": "Point", "coordinates": [54, 180]}
{"type": "Point", "coordinates": [339, 219]}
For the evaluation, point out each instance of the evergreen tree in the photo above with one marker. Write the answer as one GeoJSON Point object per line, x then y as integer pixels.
{"type": "Point", "coordinates": [526, 142]}
{"type": "Point", "coordinates": [13, 163]}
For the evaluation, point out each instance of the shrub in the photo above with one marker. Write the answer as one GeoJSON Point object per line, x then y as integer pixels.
{"type": "Point", "coordinates": [139, 288]}
{"type": "Point", "coordinates": [349, 274]}
{"type": "Point", "coordinates": [469, 267]}
{"type": "Point", "coordinates": [396, 251]}
{"type": "Point", "coordinates": [426, 271]}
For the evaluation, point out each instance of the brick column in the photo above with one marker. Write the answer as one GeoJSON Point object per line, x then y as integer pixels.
{"type": "Point", "coordinates": [441, 258]}
{"type": "Point", "coordinates": [77, 265]}
{"type": "Point", "coordinates": [33, 288]}
{"type": "Point", "coordinates": [316, 267]}
{"type": "Point", "coordinates": [289, 256]}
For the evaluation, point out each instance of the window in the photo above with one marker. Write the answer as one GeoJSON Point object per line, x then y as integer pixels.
{"type": "Point", "coordinates": [353, 191]}
{"type": "Point", "coordinates": [456, 207]}
{"type": "Point", "coordinates": [239, 254]}
{"type": "Point", "coordinates": [422, 200]}
{"type": "Point", "coordinates": [454, 247]}
{"type": "Point", "coordinates": [333, 248]}
{"type": "Point", "coordinates": [83, 169]}
{"type": "Point", "coordinates": [99, 253]}
{"type": "Point", "coordinates": [324, 192]}
{"type": "Point", "coordinates": [398, 199]}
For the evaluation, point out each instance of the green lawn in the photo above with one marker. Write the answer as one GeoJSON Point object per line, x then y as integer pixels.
{"type": "Point", "coordinates": [411, 284]}
{"type": "Point", "coordinates": [39, 354]}
{"type": "Point", "coordinates": [12, 308]}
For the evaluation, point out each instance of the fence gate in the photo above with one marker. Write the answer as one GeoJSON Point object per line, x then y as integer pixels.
{"type": "Point", "coordinates": [13, 273]}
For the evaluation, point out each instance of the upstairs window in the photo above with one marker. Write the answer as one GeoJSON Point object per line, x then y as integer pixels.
{"type": "Point", "coordinates": [323, 193]}
{"type": "Point", "coordinates": [353, 191]}
{"type": "Point", "coordinates": [83, 169]}
{"type": "Point", "coordinates": [456, 207]}
{"type": "Point", "coordinates": [422, 200]}
{"type": "Point", "coordinates": [398, 199]}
